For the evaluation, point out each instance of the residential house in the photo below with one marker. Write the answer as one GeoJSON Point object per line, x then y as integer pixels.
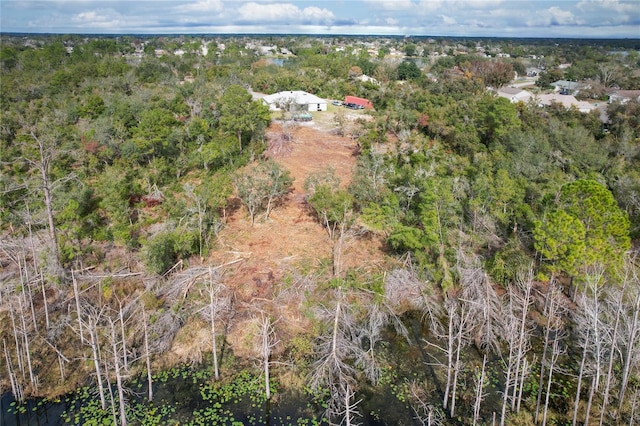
{"type": "Point", "coordinates": [568, 101]}
{"type": "Point", "coordinates": [366, 79]}
{"type": "Point", "coordinates": [624, 96]}
{"type": "Point", "coordinates": [566, 87]}
{"type": "Point", "coordinates": [514, 94]}
{"type": "Point", "coordinates": [294, 101]}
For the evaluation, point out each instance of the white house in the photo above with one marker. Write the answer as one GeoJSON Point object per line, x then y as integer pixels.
{"type": "Point", "coordinates": [624, 96]}
{"type": "Point", "coordinates": [567, 101]}
{"type": "Point", "coordinates": [515, 94]}
{"type": "Point", "coordinates": [295, 100]}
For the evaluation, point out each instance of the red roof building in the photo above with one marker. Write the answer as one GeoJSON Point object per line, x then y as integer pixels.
{"type": "Point", "coordinates": [365, 103]}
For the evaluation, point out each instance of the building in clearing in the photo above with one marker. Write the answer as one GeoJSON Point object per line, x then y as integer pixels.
{"type": "Point", "coordinates": [365, 103]}
{"type": "Point", "coordinates": [294, 101]}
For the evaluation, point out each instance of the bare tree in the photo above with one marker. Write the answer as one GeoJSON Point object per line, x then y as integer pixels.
{"type": "Point", "coordinates": [91, 318]}
{"type": "Point", "coordinates": [16, 388]}
{"type": "Point", "coordinates": [266, 342]}
{"type": "Point", "coordinates": [46, 154]}
{"type": "Point", "coordinates": [118, 354]}
{"type": "Point", "coordinates": [424, 412]}
{"type": "Point", "coordinates": [456, 337]}
{"type": "Point", "coordinates": [613, 307]}
{"type": "Point", "coordinates": [630, 336]}
{"type": "Point", "coordinates": [523, 302]}
{"type": "Point", "coordinates": [484, 303]}
{"type": "Point", "coordinates": [218, 305]}
{"type": "Point", "coordinates": [480, 383]}
{"type": "Point", "coordinates": [556, 331]}
{"type": "Point", "coordinates": [147, 353]}
{"type": "Point", "coordinates": [588, 317]}
{"type": "Point", "coordinates": [335, 350]}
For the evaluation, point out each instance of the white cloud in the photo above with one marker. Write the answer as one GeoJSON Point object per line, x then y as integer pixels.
{"type": "Point", "coordinates": [561, 17]}
{"type": "Point", "coordinates": [202, 6]}
{"type": "Point", "coordinates": [393, 5]}
{"type": "Point", "coordinates": [283, 12]}
{"type": "Point", "coordinates": [537, 18]}
{"type": "Point", "coordinates": [447, 20]}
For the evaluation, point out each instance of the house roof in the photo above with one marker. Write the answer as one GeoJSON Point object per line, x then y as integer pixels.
{"type": "Point", "coordinates": [626, 94]}
{"type": "Point", "coordinates": [566, 100]}
{"type": "Point", "coordinates": [565, 84]}
{"type": "Point", "coordinates": [514, 94]}
{"type": "Point", "coordinates": [297, 96]}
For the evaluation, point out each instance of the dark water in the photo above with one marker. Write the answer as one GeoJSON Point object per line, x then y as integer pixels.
{"type": "Point", "coordinates": [182, 396]}
{"type": "Point", "coordinates": [34, 412]}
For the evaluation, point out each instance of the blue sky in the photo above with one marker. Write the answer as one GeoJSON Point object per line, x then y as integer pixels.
{"type": "Point", "coordinates": [492, 18]}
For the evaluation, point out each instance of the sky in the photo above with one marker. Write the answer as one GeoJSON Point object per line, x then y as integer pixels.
{"type": "Point", "coordinates": [470, 18]}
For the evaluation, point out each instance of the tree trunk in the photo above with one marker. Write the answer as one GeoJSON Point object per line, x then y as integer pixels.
{"type": "Point", "coordinates": [95, 351]}
{"type": "Point", "coordinates": [119, 384]}
{"type": "Point", "coordinates": [555, 353]}
{"type": "Point", "coordinates": [617, 306]}
{"type": "Point", "coordinates": [479, 392]}
{"type": "Point", "coordinates": [450, 343]}
{"type": "Point", "coordinates": [27, 349]}
{"type": "Point", "coordinates": [46, 189]}
{"type": "Point", "coordinates": [632, 340]}
{"type": "Point", "coordinates": [124, 339]}
{"type": "Point", "coordinates": [76, 295]}
{"type": "Point", "coordinates": [44, 298]}
{"type": "Point", "coordinates": [456, 369]}
{"type": "Point", "coordinates": [576, 403]}
{"type": "Point", "coordinates": [15, 386]}
{"type": "Point", "coordinates": [16, 341]}
{"type": "Point", "coordinates": [214, 345]}
{"type": "Point", "coordinates": [542, 366]}
{"type": "Point", "coordinates": [147, 355]}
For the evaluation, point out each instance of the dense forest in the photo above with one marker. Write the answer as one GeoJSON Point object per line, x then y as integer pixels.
{"type": "Point", "coordinates": [479, 265]}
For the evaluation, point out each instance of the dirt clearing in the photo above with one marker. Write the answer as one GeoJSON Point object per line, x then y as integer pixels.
{"type": "Point", "coordinates": [291, 238]}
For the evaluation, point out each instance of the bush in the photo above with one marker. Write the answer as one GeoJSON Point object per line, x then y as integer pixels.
{"type": "Point", "coordinates": [160, 253]}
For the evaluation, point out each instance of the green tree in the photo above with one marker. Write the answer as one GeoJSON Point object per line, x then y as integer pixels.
{"type": "Point", "coordinates": [410, 49]}
{"type": "Point", "coordinates": [334, 208]}
{"type": "Point", "coordinates": [240, 115]}
{"type": "Point", "coordinates": [408, 70]}
{"type": "Point", "coordinates": [152, 136]}
{"type": "Point", "coordinates": [586, 229]}
{"type": "Point", "coordinates": [560, 239]}
{"type": "Point", "coordinates": [497, 119]}
{"type": "Point", "coordinates": [547, 77]}
{"type": "Point", "coordinates": [260, 187]}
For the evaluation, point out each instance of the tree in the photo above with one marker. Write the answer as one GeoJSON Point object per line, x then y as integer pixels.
{"type": "Point", "coordinates": [408, 70]}
{"type": "Point", "coordinates": [260, 187]}
{"type": "Point", "coordinates": [219, 303]}
{"type": "Point", "coordinates": [332, 369]}
{"type": "Point", "coordinates": [586, 229]}
{"type": "Point", "coordinates": [266, 342]}
{"type": "Point", "coordinates": [240, 115]}
{"type": "Point", "coordinates": [493, 74]}
{"type": "Point", "coordinates": [497, 118]}
{"type": "Point", "coordinates": [334, 209]}
{"type": "Point", "coordinates": [410, 49]}
{"type": "Point", "coordinates": [560, 239]}
{"type": "Point", "coordinates": [547, 77]}
{"type": "Point", "coordinates": [46, 153]}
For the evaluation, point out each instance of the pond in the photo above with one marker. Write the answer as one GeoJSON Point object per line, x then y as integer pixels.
{"type": "Point", "coordinates": [189, 397]}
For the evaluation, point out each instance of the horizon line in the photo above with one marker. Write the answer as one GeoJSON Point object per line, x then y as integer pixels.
{"type": "Point", "coordinates": [145, 34]}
